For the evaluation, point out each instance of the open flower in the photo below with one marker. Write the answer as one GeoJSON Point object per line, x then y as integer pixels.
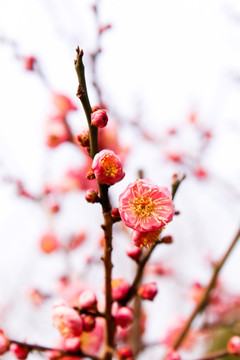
{"type": "Point", "coordinates": [107, 167]}
{"type": "Point", "coordinates": [144, 206]}
{"type": "Point", "coordinates": [67, 321]}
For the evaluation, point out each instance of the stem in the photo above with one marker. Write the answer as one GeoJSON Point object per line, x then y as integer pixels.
{"type": "Point", "coordinates": [83, 96]}
{"type": "Point", "coordinates": [205, 297]}
{"type": "Point", "coordinates": [133, 289]}
{"type": "Point", "coordinates": [106, 209]}
{"type": "Point", "coordinates": [40, 348]}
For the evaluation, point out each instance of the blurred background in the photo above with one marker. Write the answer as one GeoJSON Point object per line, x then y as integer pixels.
{"type": "Point", "coordinates": [168, 72]}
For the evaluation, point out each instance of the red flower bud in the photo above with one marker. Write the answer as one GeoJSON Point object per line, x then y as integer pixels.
{"type": "Point", "coordinates": [99, 118]}
{"type": "Point", "coordinates": [83, 138]}
{"type": "Point", "coordinates": [20, 351]}
{"type": "Point", "coordinates": [89, 322]}
{"type": "Point", "coordinates": [92, 196]}
{"type": "Point", "coordinates": [133, 252]}
{"type": "Point", "coordinates": [123, 316]}
{"type": "Point", "coordinates": [148, 291]}
{"type": "Point", "coordinates": [233, 346]}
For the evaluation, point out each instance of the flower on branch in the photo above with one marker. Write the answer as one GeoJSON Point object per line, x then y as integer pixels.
{"type": "Point", "coordinates": [144, 206]}
{"type": "Point", "coordinates": [107, 167]}
{"type": "Point", "coordinates": [67, 321]}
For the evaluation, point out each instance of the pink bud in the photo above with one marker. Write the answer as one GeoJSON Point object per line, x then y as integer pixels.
{"type": "Point", "coordinates": [123, 316]}
{"type": "Point", "coordinates": [29, 63]}
{"type": "Point", "coordinates": [120, 288]}
{"type": "Point", "coordinates": [99, 118]}
{"type": "Point", "coordinates": [49, 243]}
{"type": "Point", "coordinates": [20, 351]}
{"type": "Point", "coordinates": [89, 322]}
{"type": "Point", "coordinates": [90, 175]}
{"type": "Point", "coordinates": [167, 239]}
{"type": "Point", "coordinates": [67, 321]}
{"type": "Point", "coordinates": [233, 345]}
{"type": "Point", "coordinates": [107, 167]}
{"type": "Point", "coordinates": [91, 196]}
{"type": "Point", "coordinates": [172, 355]}
{"type": "Point", "coordinates": [104, 28]}
{"type": "Point", "coordinates": [87, 299]}
{"type": "Point", "coordinates": [115, 213]}
{"type": "Point", "coordinates": [83, 138]}
{"type": "Point", "coordinates": [4, 343]}
{"type": "Point", "coordinates": [125, 352]}
{"type": "Point", "coordinates": [148, 291]}
{"type": "Point", "coordinates": [133, 252]}
{"type": "Point", "coordinates": [63, 104]}
{"type": "Point", "coordinates": [200, 173]}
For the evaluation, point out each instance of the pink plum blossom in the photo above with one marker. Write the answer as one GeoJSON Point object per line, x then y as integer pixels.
{"type": "Point", "coordinates": [67, 321]}
{"type": "Point", "coordinates": [144, 206]}
{"type": "Point", "coordinates": [107, 167]}
{"type": "Point", "coordinates": [63, 104]}
{"type": "Point", "coordinates": [56, 131]}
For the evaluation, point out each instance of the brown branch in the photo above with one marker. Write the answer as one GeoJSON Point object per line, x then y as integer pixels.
{"type": "Point", "coordinates": [40, 348]}
{"type": "Point", "coordinates": [87, 312]}
{"type": "Point", "coordinates": [106, 209]}
{"type": "Point", "coordinates": [205, 297]}
{"type": "Point", "coordinates": [141, 264]}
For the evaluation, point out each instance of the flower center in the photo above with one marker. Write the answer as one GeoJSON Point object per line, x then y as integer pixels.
{"type": "Point", "coordinates": [143, 206]}
{"type": "Point", "coordinates": [110, 166]}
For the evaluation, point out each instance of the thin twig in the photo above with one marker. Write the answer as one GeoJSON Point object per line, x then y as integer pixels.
{"type": "Point", "coordinates": [205, 297]}
{"type": "Point", "coordinates": [40, 348]}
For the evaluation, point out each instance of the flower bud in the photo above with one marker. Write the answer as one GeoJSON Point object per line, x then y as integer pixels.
{"type": "Point", "coordinates": [107, 167]}
{"type": "Point", "coordinates": [125, 352]}
{"type": "Point", "coordinates": [87, 299]}
{"type": "Point", "coordinates": [90, 175]}
{"type": "Point", "coordinates": [83, 138]}
{"type": "Point", "coordinates": [4, 343]}
{"type": "Point", "coordinates": [99, 118]}
{"type": "Point", "coordinates": [91, 196]}
{"type": "Point", "coordinates": [172, 355]}
{"type": "Point", "coordinates": [20, 351]}
{"type": "Point", "coordinates": [49, 243]}
{"type": "Point", "coordinates": [120, 288]}
{"type": "Point", "coordinates": [115, 213]}
{"type": "Point", "coordinates": [123, 316]}
{"type": "Point", "coordinates": [148, 291]}
{"type": "Point", "coordinates": [29, 63]}
{"type": "Point", "coordinates": [133, 252]}
{"type": "Point", "coordinates": [167, 239]}
{"type": "Point", "coordinates": [233, 345]}
{"type": "Point", "coordinates": [89, 322]}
